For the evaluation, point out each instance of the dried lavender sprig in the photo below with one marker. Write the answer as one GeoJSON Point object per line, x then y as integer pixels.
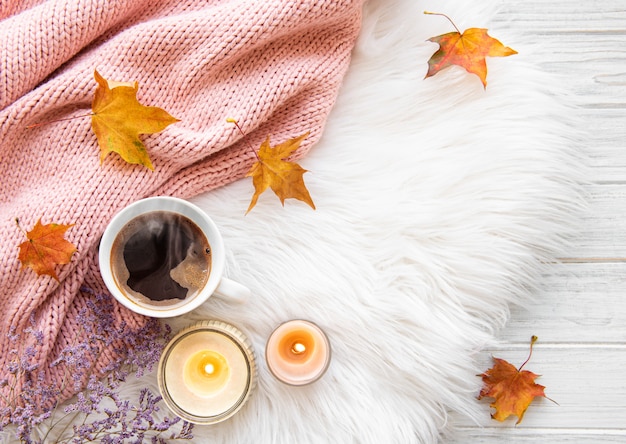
{"type": "Point", "coordinates": [121, 420]}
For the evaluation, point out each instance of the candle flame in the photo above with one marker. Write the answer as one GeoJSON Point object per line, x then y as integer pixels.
{"type": "Point", "coordinates": [209, 369]}
{"type": "Point", "coordinates": [298, 348]}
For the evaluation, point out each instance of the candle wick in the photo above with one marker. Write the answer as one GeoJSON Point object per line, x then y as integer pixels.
{"type": "Point", "coordinates": [298, 348]}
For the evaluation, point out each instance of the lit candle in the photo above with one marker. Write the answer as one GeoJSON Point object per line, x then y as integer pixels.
{"type": "Point", "coordinates": [207, 372]}
{"type": "Point", "coordinates": [297, 352]}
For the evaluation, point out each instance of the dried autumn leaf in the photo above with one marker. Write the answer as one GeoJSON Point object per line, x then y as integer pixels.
{"type": "Point", "coordinates": [45, 248]}
{"type": "Point", "coordinates": [513, 389]}
{"type": "Point", "coordinates": [118, 119]}
{"type": "Point", "coordinates": [467, 50]}
{"type": "Point", "coordinates": [282, 176]}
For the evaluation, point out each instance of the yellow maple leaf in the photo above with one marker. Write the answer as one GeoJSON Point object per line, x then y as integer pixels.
{"type": "Point", "coordinates": [118, 119]}
{"type": "Point", "coordinates": [282, 176]}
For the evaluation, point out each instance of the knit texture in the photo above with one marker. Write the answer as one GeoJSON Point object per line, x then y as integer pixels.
{"type": "Point", "coordinates": [275, 66]}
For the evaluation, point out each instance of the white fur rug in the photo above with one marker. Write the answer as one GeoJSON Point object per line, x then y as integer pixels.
{"type": "Point", "coordinates": [438, 204]}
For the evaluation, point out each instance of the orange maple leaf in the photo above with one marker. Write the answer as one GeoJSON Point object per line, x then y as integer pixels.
{"type": "Point", "coordinates": [282, 176]}
{"type": "Point", "coordinates": [467, 49]}
{"type": "Point", "coordinates": [118, 119]}
{"type": "Point", "coordinates": [46, 247]}
{"type": "Point", "coordinates": [513, 389]}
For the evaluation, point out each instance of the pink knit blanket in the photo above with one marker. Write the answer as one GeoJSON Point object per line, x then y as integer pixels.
{"type": "Point", "coordinates": [274, 65]}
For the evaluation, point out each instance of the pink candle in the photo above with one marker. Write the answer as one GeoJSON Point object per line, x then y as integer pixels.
{"type": "Point", "coordinates": [297, 352]}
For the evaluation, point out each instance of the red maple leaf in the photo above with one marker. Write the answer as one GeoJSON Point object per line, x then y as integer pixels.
{"type": "Point", "coordinates": [45, 248]}
{"type": "Point", "coordinates": [467, 49]}
{"type": "Point", "coordinates": [511, 388]}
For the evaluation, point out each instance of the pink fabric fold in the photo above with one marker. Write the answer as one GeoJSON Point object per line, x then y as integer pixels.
{"type": "Point", "coordinates": [275, 66]}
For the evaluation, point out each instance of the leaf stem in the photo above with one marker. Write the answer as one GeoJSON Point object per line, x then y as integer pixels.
{"type": "Point", "coordinates": [444, 15]}
{"type": "Point", "coordinates": [245, 137]}
{"type": "Point", "coordinates": [533, 339]}
{"type": "Point", "coordinates": [17, 222]}
{"type": "Point", "coordinates": [34, 125]}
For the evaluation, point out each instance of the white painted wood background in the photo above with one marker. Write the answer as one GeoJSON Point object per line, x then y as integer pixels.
{"type": "Point", "coordinates": [580, 313]}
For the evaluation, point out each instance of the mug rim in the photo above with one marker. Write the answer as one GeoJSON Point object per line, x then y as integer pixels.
{"type": "Point", "coordinates": [170, 204]}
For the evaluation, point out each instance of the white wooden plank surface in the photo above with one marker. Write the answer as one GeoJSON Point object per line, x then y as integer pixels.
{"type": "Point", "coordinates": [543, 435]}
{"type": "Point", "coordinates": [581, 378]}
{"type": "Point", "coordinates": [603, 230]}
{"type": "Point", "coordinates": [580, 313]}
{"type": "Point", "coordinates": [583, 303]}
{"type": "Point", "coordinates": [605, 149]}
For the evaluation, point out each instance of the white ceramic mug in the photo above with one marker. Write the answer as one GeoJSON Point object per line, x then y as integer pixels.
{"type": "Point", "coordinates": [215, 283]}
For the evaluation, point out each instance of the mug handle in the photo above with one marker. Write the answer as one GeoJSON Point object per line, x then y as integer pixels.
{"type": "Point", "coordinates": [233, 290]}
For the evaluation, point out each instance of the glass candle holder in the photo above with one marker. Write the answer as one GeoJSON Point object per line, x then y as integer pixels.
{"type": "Point", "coordinates": [298, 352]}
{"type": "Point", "coordinates": [207, 372]}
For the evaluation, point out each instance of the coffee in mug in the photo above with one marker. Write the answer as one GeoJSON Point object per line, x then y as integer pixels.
{"type": "Point", "coordinates": [163, 256]}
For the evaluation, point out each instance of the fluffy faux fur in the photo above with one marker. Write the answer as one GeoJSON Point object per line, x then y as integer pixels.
{"type": "Point", "coordinates": [438, 205]}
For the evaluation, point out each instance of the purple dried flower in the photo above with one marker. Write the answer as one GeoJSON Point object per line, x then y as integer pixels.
{"type": "Point", "coordinates": [12, 335]}
{"type": "Point", "coordinates": [119, 420]}
{"type": "Point", "coordinates": [13, 367]}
